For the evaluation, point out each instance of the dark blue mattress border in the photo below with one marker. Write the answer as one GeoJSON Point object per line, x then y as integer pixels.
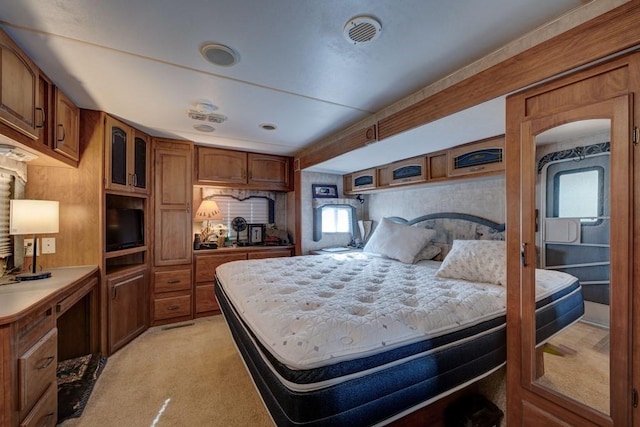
{"type": "Point", "coordinates": [377, 396]}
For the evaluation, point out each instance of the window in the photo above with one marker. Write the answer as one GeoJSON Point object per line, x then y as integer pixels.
{"type": "Point", "coordinates": [579, 194]}
{"type": "Point", "coordinates": [255, 210]}
{"type": "Point", "coordinates": [336, 219]}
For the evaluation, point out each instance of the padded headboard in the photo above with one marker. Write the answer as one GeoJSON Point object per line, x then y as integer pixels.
{"type": "Point", "coordinates": [452, 226]}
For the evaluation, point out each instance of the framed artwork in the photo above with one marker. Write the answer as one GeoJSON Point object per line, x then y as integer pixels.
{"type": "Point", "coordinates": [322, 191]}
{"type": "Point", "coordinates": [256, 234]}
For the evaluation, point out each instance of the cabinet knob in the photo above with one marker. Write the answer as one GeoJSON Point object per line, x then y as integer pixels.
{"type": "Point", "coordinates": [173, 307]}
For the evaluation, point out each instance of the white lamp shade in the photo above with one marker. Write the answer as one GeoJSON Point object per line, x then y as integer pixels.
{"type": "Point", "coordinates": [208, 210]}
{"type": "Point", "coordinates": [34, 216]}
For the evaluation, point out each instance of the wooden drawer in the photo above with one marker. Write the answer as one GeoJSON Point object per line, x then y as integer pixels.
{"type": "Point", "coordinates": [176, 280]}
{"type": "Point", "coordinates": [45, 413]}
{"type": "Point", "coordinates": [29, 329]}
{"type": "Point", "coordinates": [205, 299]}
{"type": "Point", "coordinates": [206, 264]}
{"type": "Point", "coordinates": [37, 369]}
{"type": "Point", "coordinates": [167, 308]}
{"type": "Point", "coordinates": [276, 253]}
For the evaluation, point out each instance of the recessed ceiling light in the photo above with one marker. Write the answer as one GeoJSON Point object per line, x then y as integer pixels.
{"type": "Point", "coordinates": [362, 29]}
{"type": "Point", "coordinates": [204, 128]}
{"type": "Point", "coordinates": [219, 54]}
{"type": "Point", "coordinates": [268, 126]}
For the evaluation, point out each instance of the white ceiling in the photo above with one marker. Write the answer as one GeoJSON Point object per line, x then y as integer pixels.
{"type": "Point", "coordinates": [139, 60]}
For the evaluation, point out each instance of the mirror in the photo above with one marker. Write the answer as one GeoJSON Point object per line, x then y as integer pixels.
{"type": "Point", "coordinates": [573, 236]}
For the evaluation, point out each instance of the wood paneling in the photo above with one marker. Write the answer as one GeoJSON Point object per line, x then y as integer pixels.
{"type": "Point", "coordinates": [79, 192]}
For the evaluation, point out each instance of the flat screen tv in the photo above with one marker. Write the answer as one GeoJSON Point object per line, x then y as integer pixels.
{"type": "Point", "coordinates": [125, 228]}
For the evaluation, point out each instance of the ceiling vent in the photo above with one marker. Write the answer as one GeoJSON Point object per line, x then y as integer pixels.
{"type": "Point", "coordinates": [204, 128]}
{"type": "Point", "coordinates": [219, 54]}
{"type": "Point", "coordinates": [362, 29]}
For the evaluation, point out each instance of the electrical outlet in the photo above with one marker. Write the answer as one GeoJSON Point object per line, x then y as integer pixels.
{"type": "Point", "coordinates": [49, 245]}
{"type": "Point", "coordinates": [28, 247]}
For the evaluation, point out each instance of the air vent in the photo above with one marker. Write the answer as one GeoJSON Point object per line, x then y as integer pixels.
{"type": "Point", "coordinates": [362, 29]}
{"type": "Point", "coordinates": [206, 117]}
{"type": "Point", "coordinates": [204, 128]}
{"type": "Point", "coordinates": [219, 54]}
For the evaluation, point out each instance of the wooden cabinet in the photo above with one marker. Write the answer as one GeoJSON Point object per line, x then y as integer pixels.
{"type": "Point", "coordinates": [364, 180]}
{"type": "Point", "coordinates": [437, 166]}
{"type": "Point", "coordinates": [206, 262]}
{"type": "Point", "coordinates": [476, 158]}
{"type": "Point", "coordinates": [239, 169]}
{"type": "Point", "coordinates": [219, 166]}
{"type": "Point", "coordinates": [19, 82]}
{"type": "Point", "coordinates": [407, 171]}
{"type": "Point", "coordinates": [67, 132]}
{"type": "Point", "coordinates": [128, 307]}
{"type": "Point", "coordinates": [127, 157]}
{"type": "Point", "coordinates": [269, 172]}
{"type": "Point", "coordinates": [173, 195]}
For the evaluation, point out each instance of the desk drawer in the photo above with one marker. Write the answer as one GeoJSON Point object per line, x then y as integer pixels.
{"type": "Point", "coordinates": [30, 328]}
{"type": "Point", "coordinates": [168, 281]}
{"type": "Point", "coordinates": [167, 308]}
{"type": "Point", "coordinates": [37, 369]}
{"type": "Point", "coordinates": [45, 413]}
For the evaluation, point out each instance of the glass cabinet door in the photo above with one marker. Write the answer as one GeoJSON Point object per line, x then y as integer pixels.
{"type": "Point", "coordinates": [140, 149]}
{"type": "Point", "coordinates": [118, 156]}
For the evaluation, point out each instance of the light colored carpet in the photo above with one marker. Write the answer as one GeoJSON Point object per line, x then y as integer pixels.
{"type": "Point", "coordinates": [188, 376]}
{"type": "Point", "coordinates": [583, 375]}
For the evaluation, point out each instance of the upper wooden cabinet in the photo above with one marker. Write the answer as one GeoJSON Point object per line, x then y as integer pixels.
{"type": "Point", "coordinates": [127, 158]}
{"type": "Point", "coordinates": [19, 80]}
{"type": "Point", "coordinates": [238, 169]}
{"type": "Point", "coordinates": [219, 166]}
{"type": "Point", "coordinates": [478, 157]}
{"type": "Point", "coordinates": [67, 131]}
{"type": "Point", "coordinates": [269, 172]}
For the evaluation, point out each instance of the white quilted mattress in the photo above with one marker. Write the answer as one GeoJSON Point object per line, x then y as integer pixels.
{"type": "Point", "coordinates": [312, 311]}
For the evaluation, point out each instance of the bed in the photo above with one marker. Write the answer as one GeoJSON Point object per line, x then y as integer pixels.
{"type": "Point", "coordinates": [364, 339]}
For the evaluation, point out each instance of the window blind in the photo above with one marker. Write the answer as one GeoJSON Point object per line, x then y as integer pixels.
{"type": "Point", "coordinates": [254, 210]}
{"type": "Point", "coordinates": [6, 246]}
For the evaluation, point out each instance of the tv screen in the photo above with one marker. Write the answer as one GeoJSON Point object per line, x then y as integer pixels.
{"type": "Point", "coordinates": [125, 228]}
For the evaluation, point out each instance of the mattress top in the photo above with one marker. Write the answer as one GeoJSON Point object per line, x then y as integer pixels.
{"type": "Point", "coordinates": [312, 311]}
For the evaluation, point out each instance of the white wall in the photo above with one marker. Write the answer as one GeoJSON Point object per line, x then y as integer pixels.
{"type": "Point", "coordinates": [307, 179]}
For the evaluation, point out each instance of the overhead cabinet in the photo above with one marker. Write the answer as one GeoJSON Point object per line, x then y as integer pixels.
{"type": "Point", "coordinates": [239, 169]}
{"type": "Point", "coordinates": [19, 79]}
{"type": "Point", "coordinates": [483, 157]}
{"type": "Point", "coordinates": [67, 132]}
{"type": "Point", "coordinates": [127, 158]}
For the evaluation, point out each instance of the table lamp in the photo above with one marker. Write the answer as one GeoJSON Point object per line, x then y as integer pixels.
{"type": "Point", "coordinates": [34, 217]}
{"type": "Point", "coordinates": [208, 210]}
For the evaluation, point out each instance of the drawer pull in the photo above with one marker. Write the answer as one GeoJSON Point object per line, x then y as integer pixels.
{"type": "Point", "coordinates": [171, 282]}
{"type": "Point", "coordinates": [44, 363]}
{"type": "Point", "coordinates": [173, 307]}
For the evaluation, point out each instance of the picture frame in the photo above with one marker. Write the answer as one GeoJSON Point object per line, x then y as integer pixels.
{"type": "Point", "coordinates": [255, 234]}
{"type": "Point", "coordinates": [324, 191]}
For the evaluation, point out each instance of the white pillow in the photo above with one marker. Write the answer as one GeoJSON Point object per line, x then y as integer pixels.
{"type": "Point", "coordinates": [476, 261]}
{"type": "Point", "coordinates": [397, 241]}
